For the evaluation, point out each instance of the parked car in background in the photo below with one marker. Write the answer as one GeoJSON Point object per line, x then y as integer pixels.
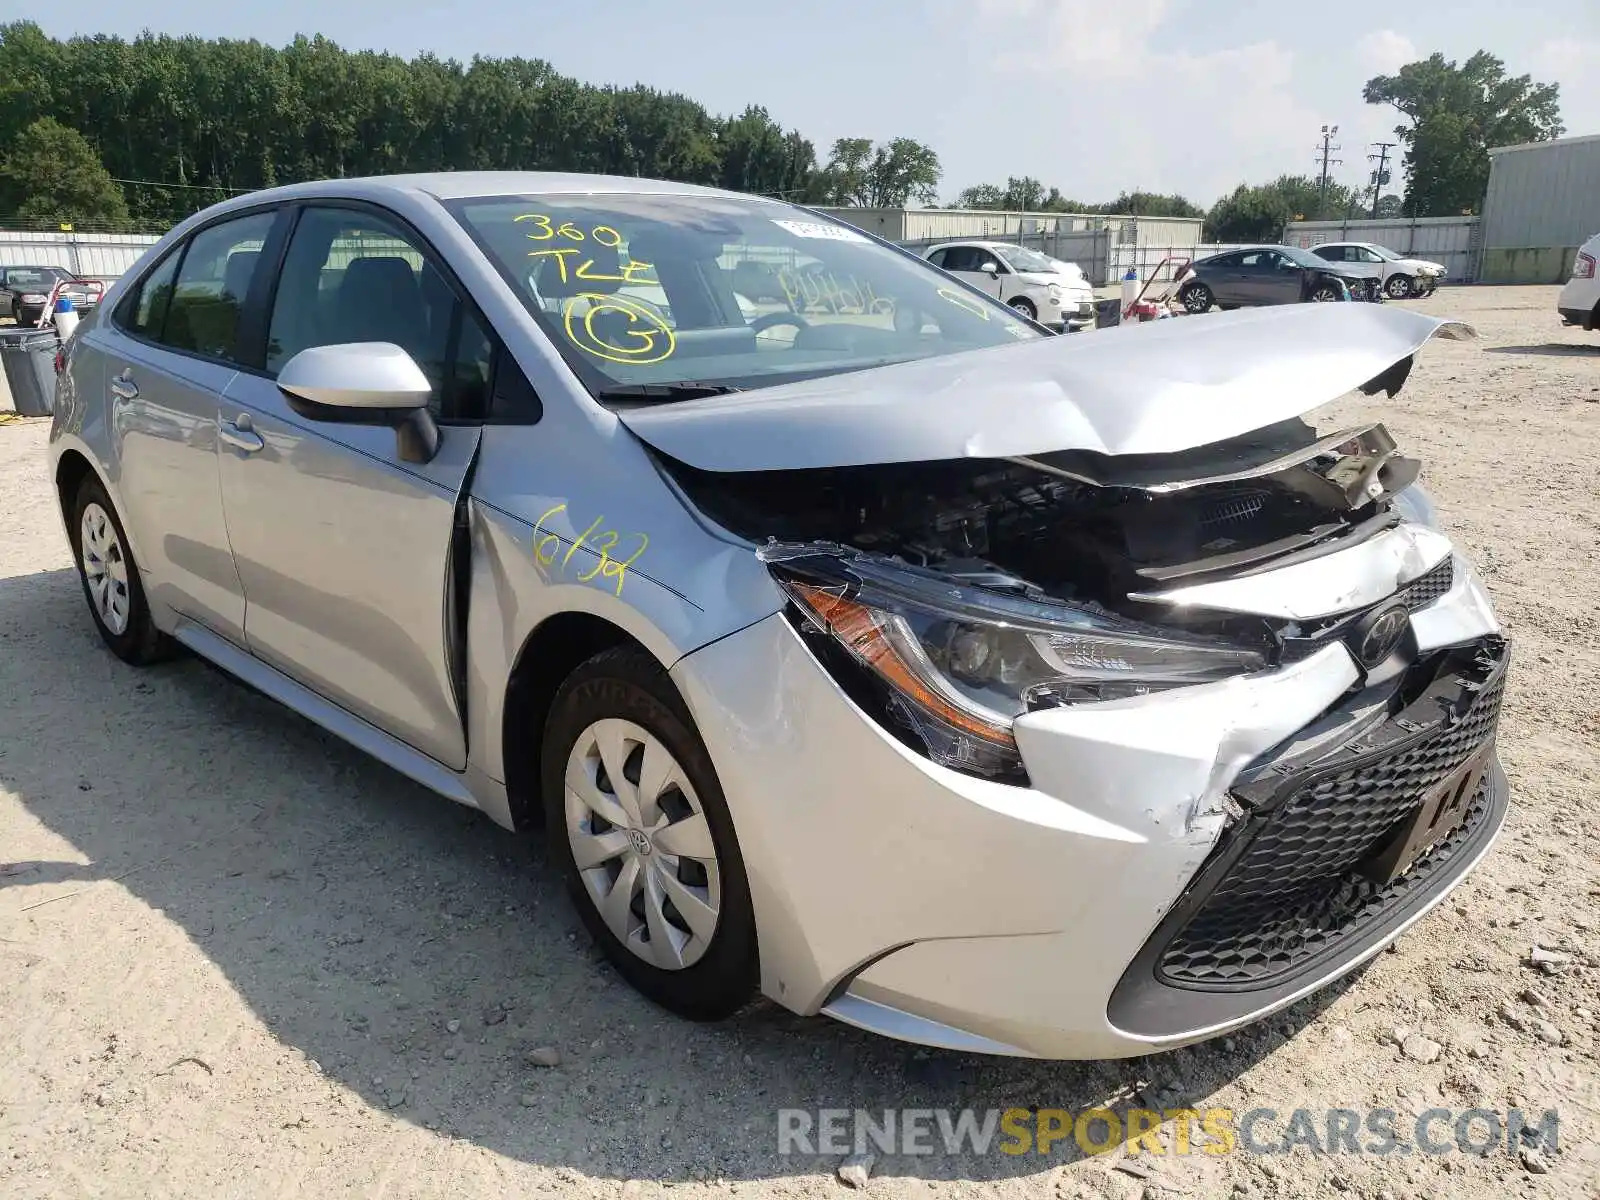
{"type": "Point", "coordinates": [1579, 302]}
{"type": "Point", "coordinates": [1265, 275]}
{"type": "Point", "coordinates": [1399, 276]}
{"type": "Point", "coordinates": [24, 291]}
{"type": "Point", "coordinates": [1025, 279]}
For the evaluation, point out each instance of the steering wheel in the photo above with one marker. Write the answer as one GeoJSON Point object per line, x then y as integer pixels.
{"type": "Point", "coordinates": [771, 320]}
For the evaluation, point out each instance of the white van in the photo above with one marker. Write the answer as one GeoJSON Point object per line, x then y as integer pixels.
{"type": "Point", "coordinates": [1579, 302]}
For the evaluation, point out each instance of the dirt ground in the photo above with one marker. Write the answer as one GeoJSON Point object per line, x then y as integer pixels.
{"type": "Point", "coordinates": [237, 958]}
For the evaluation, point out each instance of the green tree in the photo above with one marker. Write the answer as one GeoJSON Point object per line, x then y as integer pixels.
{"type": "Point", "coordinates": [1389, 206]}
{"type": "Point", "coordinates": [52, 173]}
{"type": "Point", "coordinates": [862, 175]}
{"type": "Point", "coordinates": [1250, 214]}
{"type": "Point", "coordinates": [984, 195]}
{"type": "Point", "coordinates": [1150, 204]}
{"type": "Point", "coordinates": [1453, 115]}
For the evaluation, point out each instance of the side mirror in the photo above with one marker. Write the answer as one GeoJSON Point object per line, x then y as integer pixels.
{"type": "Point", "coordinates": [364, 383]}
{"type": "Point", "coordinates": [990, 267]}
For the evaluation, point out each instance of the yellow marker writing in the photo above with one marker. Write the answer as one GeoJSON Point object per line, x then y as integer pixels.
{"type": "Point", "coordinates": [644, 336]}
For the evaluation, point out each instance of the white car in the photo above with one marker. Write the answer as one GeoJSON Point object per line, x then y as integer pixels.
{"type": "Point", "coordinates": [1029, 282]}
{"type": "Point", "coordinates": [1402, 277]}
{"type": "Point", "coordinates": [1579, 302]}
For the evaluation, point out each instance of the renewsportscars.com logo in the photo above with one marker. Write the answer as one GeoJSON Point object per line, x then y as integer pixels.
{"type": "Point", "coordinates": [1174, 1131]}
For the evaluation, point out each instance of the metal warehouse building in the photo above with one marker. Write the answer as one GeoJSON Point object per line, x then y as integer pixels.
{"type": "Point", "coordinates": [1543, 203]}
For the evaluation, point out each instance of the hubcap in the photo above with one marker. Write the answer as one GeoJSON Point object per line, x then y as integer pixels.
{"type": "Point", "coordinates": [641, 843]}
{"type": "Point", "coordinates": [1199, 300]}
{"type": "Point", "coordinates": [105, 566]}
{"type": "Point", "coordinates": [1399, 288]}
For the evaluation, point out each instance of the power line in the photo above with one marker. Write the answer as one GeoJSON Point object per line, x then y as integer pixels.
{"type": "Point", "coordinates": [1380, 175]}
{"type": "Point", "coordinates": [1329, 132]}
{"type": "Point", "coordinates": [199, 187]}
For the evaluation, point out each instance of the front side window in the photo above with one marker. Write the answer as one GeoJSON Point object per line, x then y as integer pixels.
{"type": "Point", "coordinates": [639, 290]}
{"type": "Point", "coordinates": [213, 281]}
{"type": "Point", "coordinates": [354, 276]}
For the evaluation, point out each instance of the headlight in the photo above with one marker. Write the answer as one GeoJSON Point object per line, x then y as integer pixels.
{"type": "Point", "coordinates": [1055, 291]}
{"type": "Point", "coordinates": [34, 298]}
{"type": "Point", "coordinates": [1416, 506]}
{"type": "Point", "coordinates": [957, 665]}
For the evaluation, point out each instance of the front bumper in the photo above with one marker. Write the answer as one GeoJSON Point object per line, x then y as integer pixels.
{"type": "Point", "coordinates": [939, 908]}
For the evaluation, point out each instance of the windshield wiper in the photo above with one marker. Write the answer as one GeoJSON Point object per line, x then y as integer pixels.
{"type": "Point", "coordinates": [686, 390]}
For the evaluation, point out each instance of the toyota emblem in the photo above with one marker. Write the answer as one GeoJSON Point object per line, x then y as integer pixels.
{"type": "Point", "coordinates": [1376, 637]}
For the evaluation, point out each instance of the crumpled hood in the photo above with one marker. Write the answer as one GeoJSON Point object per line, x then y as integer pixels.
{"type": "Point", "coordinates": [1154, 388]}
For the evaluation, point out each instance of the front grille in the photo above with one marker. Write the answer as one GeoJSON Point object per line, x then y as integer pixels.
{"type": "Point", "coordinates": [1293, 894]}
{"type": "Point", "coordinates": [1427, 588]}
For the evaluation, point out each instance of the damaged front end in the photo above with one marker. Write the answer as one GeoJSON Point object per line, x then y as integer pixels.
{"type": "Point", "coordinates": [970, 539]}
{"type": "Point", "coordinates": [958, 596]}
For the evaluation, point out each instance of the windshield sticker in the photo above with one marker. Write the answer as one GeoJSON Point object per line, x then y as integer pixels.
{"type": "Point", "coordinates": [823, 230]}
{"type": "Point", "coordinates": [642, 336]}
{"type": "Point", "coordinates": [966, 302]}
{"type": "Point", "coordinates": [596, 539]}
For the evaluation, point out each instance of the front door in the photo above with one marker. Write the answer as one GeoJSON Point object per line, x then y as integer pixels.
{"type": "Point", "coordinates": [169, 351]}
{"type": "Point", "coordinates": [967, 262]}
{"type": "Point", "coordinates": [342, 545]}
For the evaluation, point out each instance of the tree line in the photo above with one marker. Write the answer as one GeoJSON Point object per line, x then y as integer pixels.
{"type": "Point", "coordinates": [104, 129]}
{"type": "Point", "coordinates": [177, 123]}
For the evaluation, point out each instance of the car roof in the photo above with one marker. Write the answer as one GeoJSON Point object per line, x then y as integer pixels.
{"type": "Point", "coordinates": [984, 242]}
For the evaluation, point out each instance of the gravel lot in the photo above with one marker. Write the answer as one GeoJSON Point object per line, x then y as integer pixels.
{"type": "Point", "coordinates": [239, 958]}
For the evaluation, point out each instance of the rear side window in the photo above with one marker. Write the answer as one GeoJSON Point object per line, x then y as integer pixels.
{"type": "Point", "coordinates": [146, 310]}
{"type": "Point", "coordinates": [212, 284]}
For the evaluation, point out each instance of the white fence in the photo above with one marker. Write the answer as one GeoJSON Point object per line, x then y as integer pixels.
{"type": "Point", "coordinates": [89, 255]}
{"type": "Point", "coordinates": [1453, 241]}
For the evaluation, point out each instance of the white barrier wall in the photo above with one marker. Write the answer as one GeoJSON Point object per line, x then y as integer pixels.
{"type": "Point", "coordinates": [91, 255]}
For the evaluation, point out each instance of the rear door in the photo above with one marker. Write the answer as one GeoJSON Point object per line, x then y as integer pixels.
{"type": "Point", "coordinates": [344, 548]}
{"type": "Point", "coordinates": [1226, 277]}
{"type": "Point", "coordinates": [170, 350]}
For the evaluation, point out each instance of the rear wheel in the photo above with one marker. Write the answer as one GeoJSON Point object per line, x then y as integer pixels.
{"type": "Point", "coordinates": [1398, 286]}
{"type": "Point", "coordinates": [1197, 298]}
{"type": "Point", "coordinates": [110, 578]}
{"type": "Point", "coordinates": [638, 826]}
{"type": "Point", "coordinates": [1026, 308]}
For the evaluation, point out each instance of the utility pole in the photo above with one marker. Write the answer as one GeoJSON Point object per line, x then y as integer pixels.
{"type": "Point", "coordinates": [1380, 174]}
{"type": "Point", "coordinates": [1329, 132]}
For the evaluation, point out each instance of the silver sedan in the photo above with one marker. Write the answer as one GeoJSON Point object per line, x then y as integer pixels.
{"type": "Point", "coordinates": [851, 640]}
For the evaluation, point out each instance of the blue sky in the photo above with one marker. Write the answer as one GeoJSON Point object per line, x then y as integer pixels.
{"type": "Point", "coordinates": [1094, 98]}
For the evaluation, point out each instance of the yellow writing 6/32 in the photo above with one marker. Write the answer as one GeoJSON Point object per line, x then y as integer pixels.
{"type": "Point", "coordinates": [597, 540]}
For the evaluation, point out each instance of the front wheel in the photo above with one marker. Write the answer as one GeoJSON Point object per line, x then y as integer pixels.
{"type": "Point", "coordinates": [1398, 287]}
{"type": "Point", "coordinates": [1026, 308]}
{"type": "Point", "coordinates": [1197, 298]}
{"type": "Point", "coordinates": [1323, 293]}
{"type": "Point", "coordinates": [639, 828]}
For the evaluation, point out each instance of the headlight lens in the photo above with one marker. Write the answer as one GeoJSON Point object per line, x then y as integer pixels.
{"type": "Point", "coordinates": [1055, 291]}
{"type": "Point", "coordinates": [957, 665]}
{"type": "Point", "coordinates": [33, 298]}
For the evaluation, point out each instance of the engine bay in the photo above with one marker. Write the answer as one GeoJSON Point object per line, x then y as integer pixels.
{"type": "Point", "coordinates": [1070, 528]}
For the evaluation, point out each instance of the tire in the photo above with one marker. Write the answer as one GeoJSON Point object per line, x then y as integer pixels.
{"type": "Point", "coordinates": [1398, 287]}
{"type": "Point", "coordinates": [621, 706]}
{"type": "Point", "coordinates": [1026, 308]}
{"type": "Point", "coordinates": [110, 579]}
{"type": "Point", "coordinates": [1197, 298]}
{"type": "Point", "coordinates": [1324, 293]}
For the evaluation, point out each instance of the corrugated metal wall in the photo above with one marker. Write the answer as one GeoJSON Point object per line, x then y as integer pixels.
{"type": "Point", "coordinates": [91, 255]}
{"type": "Point", "coordinates": [1447, 240]}
{"type": "Point", "coordinates": [1545, 194]}
{"type": "Point", "coordinates": [947, 224]}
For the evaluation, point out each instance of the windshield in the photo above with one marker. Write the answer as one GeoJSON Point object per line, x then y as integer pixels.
{"type": "Point", "coordinates": [1020, 258]}
{"type": "Point", "coordinates": [1382, 252]}
{"type": "Point", "coordinates": [650, 291]}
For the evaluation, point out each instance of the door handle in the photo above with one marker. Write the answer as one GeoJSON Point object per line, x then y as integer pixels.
{"type": "Point", "coordinates": [239, 435]}
{"type": "Point", "coordinates": [124, 386]}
